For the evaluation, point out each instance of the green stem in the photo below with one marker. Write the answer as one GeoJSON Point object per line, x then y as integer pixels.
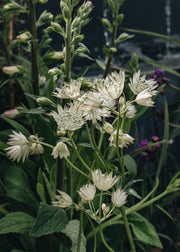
{"type": "Point", "coordinates": [35, 71]}
{"type": "Point", "coordinates": [76, 168]}
{"type": "Point", "coordinates": [100, 204]}
{"type": "Point", "coordinates": [80, 231]}
{"type": "Point", "coordinates": [78, 155]}
{"type": "Point", "coordinates": [108, 63]}
{"type": "Point", "coordinates": [128, 231]}
{"type": "Point", "coordinates": [103, 240]}
{"type": "Point", "coordinates": [67, 68]}
{"type": "Point", "coordinates": [101, 157]}
{"type": "Point", "coordinates": [94, 234]}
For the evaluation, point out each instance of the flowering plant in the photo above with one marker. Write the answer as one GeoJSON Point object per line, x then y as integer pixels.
{"type": "Point", "coordinates": [69, 167]}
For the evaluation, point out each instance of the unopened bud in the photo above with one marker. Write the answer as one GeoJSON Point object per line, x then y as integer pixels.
{"type": "Point", "coordinates": [105, 209]}
{"type": "Point", "coordinates": [10, 70]}
{"type": "Point", "coordinates": [121, 101]}
{"type": "Point", "coordinates": [44, 101]}
{"type": "Point", "coordinates": [43, 1]}
{"type": "Point", "coordinates": [11, 113]}
{"type": "Point", "coordinates": [23, 37]}
{"type": "Point", "coordinates": [54, 71]}
{"type": "Point", "coordinates": [54, 55]}
{"type": "Point", "coordinates": [61, 132]}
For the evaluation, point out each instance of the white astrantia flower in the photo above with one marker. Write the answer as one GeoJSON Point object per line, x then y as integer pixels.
{"type": "Point", "coordinates": [69, 90]}
{"type": "Point", "coordinates": [139, 83]}
{"type": "Point", "coordinates": [35, 147]}
{"type": "Point", "coordinates": [112, 86]}
{"type": "Point", "coordinates": [70, 117]}
{"type": "Point", "coordinates": [103, 181]}
{"type": "Point", "coordinates": [123, 139]}
{"type": "Point", "coordinates": [108, 128]}
{"type": "Point", "coordinates": [145, 98]}
{"type": "Point", "coordinates": [87, 192]}
{"type": "Point", "coordinates": [94, 106]}
{"type": "Point", "coordinates": [119, 198]}
{"type": "Point", "coordinates": [63, 200]}
{"type": "Point", "coordinates": [60, 150]}
{"type": "Point", "coordinates": [127, 110]}
{"type": "Point", "coordinates": [19, 147]}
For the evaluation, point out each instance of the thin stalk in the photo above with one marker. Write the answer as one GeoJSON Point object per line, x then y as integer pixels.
{"type": "Point", "coordinates": [35, 71]}
{"type": "Point", "coordinates": [113, 37]}
{"type": "Point", "coordinates": [67, 67]}
{"type": "Point", "coordinates": [128, 231]}
{"type": "Point", "coordinates": [80, 231]}
{"type": "Point", "coordinates": [100, 204]}
{"type": "Point", "coordinates": [79, 156]}
{"type": "Point", "coordinates": [103, 240]}
{"type": "Point", "coordinates": [101, 157]}
{"type": "Point", "coordinates": [94, 234]}
{"type": "Point", "coordinates": [76, 168]}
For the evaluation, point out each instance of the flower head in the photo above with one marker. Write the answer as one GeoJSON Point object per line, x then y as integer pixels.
{"type": "Point", "coordinates": [108, 128]}
{"type": "Point", "coordinates": [140, 83]}
{"type": "Point", "coordinates": [70, 117]}
{"type": "Point", "coordinates": [103, 181]}
{"type": "Point", "coordinates": [123, 139]}
{"type": "Point", "coordinates": [112, 86]}
{"type": "Point", "coordinates": [144, 98]}
{"type": "Point", "coordinates": [87, 192]}
{"type": "Point", "coordinates": [36, 147]}
{"type": "Point", "coordinates": [63, 200]}
{"type": "Point", "coordinates": [119, 198]}
{"type": "Point", "coordinates": [19, 147]}
{"type": "Point", "coordinates": [127, 110]}
{"type": "Point", "coordinates": [60, 150]}
{"type": "Point", "coordinates": [69, 90]}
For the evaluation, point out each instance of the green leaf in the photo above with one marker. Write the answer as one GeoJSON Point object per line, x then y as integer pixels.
{"type": "Point", "coordinates": [130, 165]}
{"type": "Point", "coordinates": [144, 230]}
{"type": "Point", "coordinates": [17, 126]}
{"type": "Point", "coordinates": [18, 222]}
{"type": "Point", "coordinates": [101, 64]}
{"type": "Point", "coordinates": [72, 231]}
{"type": "Point", "coordinates": [160, 66]}
{"type": "Point", "coordinates": [41, 192]}
{"type": "Point", "coordinates": [3, 145]}
{"type": "Point", "coordinates": [50, 219]}
{"type": "Point", "coordinates": [17, 186]}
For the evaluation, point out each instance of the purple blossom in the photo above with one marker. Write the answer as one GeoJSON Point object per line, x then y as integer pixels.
{"type": "Point", "coordinates": [143, 143]}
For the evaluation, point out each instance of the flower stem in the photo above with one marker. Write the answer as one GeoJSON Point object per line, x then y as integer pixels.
{"type": "Point", "coordinates": [128, 231]}
{"type": "Point", "coordinates": [67, 68]}
{"type": "Point", "coordinates": [35, 71]}
{"type": "Point", "coordinates": [103, 240]}
{"type": "Point", "coordinates": [78, 155]}
{"type": "Point", "coordinates": [80, 231]}
{"type": "Point", "coordinates": [76, 168]}
{"type": "Point", "coordinates": [94, 234]}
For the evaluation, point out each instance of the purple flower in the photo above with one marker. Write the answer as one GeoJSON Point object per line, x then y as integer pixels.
{"type": "Point", "coordinates": [143, 143]}
{"type": "Point", "coordinates": [159, 72]}
{"type": "Point", "coordinates": [155, 138]}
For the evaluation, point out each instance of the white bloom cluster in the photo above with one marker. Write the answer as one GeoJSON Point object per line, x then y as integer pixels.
{"type": "Point", "coordinates": [123, 139]}
{"type": "Point", "coordinates": [87, 192]}
{"type": "Point", "coordinates": [21, 146]}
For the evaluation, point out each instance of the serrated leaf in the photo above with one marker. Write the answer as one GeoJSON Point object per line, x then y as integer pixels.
{"type": "Point", "coordinates": [144, 230]}
{"type": "Point", "coordinates": [50, 219]}
{"type": "Point", "coordinates": [72, 231]}
{"type": "Point", "coordinates": [18, 222]}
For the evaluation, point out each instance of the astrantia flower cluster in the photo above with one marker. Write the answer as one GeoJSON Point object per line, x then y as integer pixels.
{"type": "Point", "coordinates": [87, 192]}
{"type": "Point", "coordinates": [21, 146]}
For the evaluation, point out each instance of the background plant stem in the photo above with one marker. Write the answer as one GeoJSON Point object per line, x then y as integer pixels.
{"type": "Point", "coordinates": [35, 71]}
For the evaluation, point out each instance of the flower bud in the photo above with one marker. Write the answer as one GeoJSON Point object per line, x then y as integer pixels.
{"type": "Point", "coordinates": [44, 101]}
{"type": "Point", "coordinates": [10, 70]}
{"type": "Point", "coordinates": [54, 55]}
{"type": "Point", "coordinates": [12, 6]}
{"type": "Point", "coordinates": [105, 209]}
{"type": "Point", "coordinates": [57, 28]}
{"type": "Point", "coordinates": [54, 71]}
{"type": "Point", "coordinates": [23, 37]}
{"type": "Point", "coordinates": [43, 1]}
{"type": "Point", "coordinates": [121, 101]}
{"type": "Point", "coordinates": [11, 113]}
